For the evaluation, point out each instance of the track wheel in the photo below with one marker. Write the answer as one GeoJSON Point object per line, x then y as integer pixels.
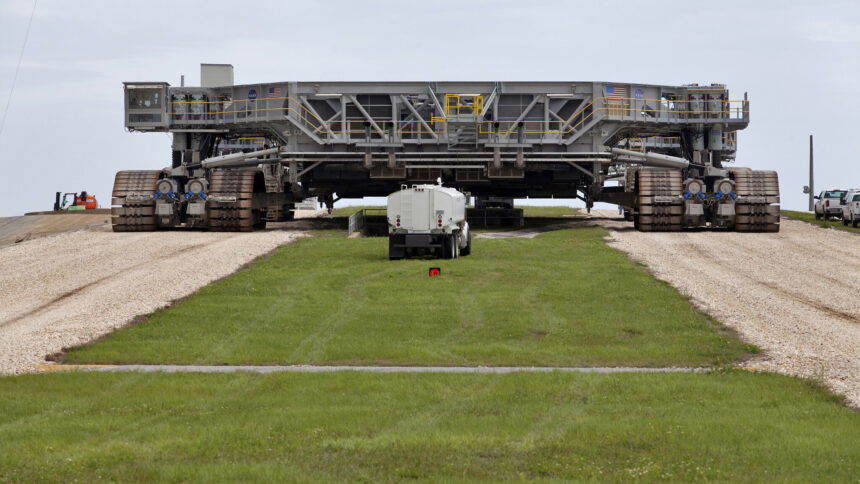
{"type": "Point", "coordinates": [660, 205]}
{"type": "Point", "coordinates": [133, 206]}
{"type": "Point", "coordinates": [229, 207]}
{"type": "Point", "coordinates": [757, 208]}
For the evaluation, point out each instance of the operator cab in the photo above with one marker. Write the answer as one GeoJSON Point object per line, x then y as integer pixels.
{"type": "Point", "coordinates": [145, 105]}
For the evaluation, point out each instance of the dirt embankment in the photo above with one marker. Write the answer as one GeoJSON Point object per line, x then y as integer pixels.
{"type": "Point", "coordinates": [18, 229]}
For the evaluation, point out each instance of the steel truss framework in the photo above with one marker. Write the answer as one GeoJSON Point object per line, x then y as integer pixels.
{"type": "Point", "coordinates": [536, 139]}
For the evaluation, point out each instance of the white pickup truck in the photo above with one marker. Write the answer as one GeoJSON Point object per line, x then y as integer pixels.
{"type": "Point", "coordinates": [828, 204]}
{"type": "Point", "coordinates": [428, 220]}
{"type": "Point", "coordinates": [851, 207]}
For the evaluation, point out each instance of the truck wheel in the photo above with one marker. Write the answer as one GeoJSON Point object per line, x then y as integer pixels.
{"type": "Point", "coordinates": [854, 223]}
{"type": "Point", "coordinates": [468, 249]}
{"type": "Point", "coordinates": [844, 221]}
{"type": "Point", "coordinates": [395, 253]}
{"type": "Point", "coordinates": [448, 247]}
{"type": "Point", "coordinates": [817, 216]}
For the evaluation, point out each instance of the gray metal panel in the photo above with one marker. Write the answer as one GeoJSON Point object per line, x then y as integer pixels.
{"type": "Point", "coordinates": [215, 75]}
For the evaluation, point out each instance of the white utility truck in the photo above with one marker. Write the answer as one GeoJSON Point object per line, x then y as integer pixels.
{"type": "Point", "coordinates": [828, 204]}
{"type": "Point", "coordinates": [428, 220]}
{"type": "Point", "coordinates": [851, 207]}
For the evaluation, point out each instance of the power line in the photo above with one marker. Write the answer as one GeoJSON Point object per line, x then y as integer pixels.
{"type": "Point", "coordinates": [18, 68]}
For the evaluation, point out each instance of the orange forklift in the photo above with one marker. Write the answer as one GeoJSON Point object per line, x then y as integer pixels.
{"type": "Point", "coordinates": [75, 201]}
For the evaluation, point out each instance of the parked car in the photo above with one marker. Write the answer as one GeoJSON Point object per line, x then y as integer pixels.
{"type": "Point", "coordinates": [851, 207]}
{"type": "Point", "coordinates": [829, 204]}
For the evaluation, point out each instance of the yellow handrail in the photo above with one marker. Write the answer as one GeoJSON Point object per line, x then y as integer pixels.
{"type": "Point", "coordinates": [458, 103]}
{"type": "Point", "coordinates": [609, 106]}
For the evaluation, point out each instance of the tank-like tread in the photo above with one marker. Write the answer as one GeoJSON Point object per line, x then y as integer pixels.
{"type": "Point", "coordinates": [659, 198]}
{"type": "Point", "coordinates": [236, 215]}
{"type": "Point", "coordinates": [136, 214]}
{"type": "Point", "coordinates": [757, 207]}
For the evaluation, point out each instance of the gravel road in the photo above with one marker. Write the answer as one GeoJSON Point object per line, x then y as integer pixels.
{"type": "Point", "coordinates": [795, 294]}
{"type": "Point", "coordinates": [73, 287]}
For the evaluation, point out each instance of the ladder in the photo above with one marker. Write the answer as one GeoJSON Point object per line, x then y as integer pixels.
{"type": "Point", "coordinates": [462, 136]}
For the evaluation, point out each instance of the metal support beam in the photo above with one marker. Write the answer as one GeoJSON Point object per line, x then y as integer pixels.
{"type": "Point", "coordinates": [299, 174]}
{"type": "Point", "coordinates": [366, 115]}
{"type": "Point", "coordinates": [580, 168]}
{"type": "Point", "coordinates": [654, 159]}
{"type": "Point", "coordinates": [564, 123]}
{"type": "Point", "coordinates": [439, 109]}
{"type": "Point", "coordinates": [298, 123]}
{"type": "Point", "coordinates": [489, 101]}
{"type": "Point", "coordinates": [417, 115]}
{"type": "Point", "coordinates": [522, 115]}
{"type": "Point", "coordinates": [227, 160]}
{"type": "Point", "coordinates": [293, 173]}
{"type": "Point", "coordinates": [328, 121]}
{"type": "Point", "coordinates": [305, 104]}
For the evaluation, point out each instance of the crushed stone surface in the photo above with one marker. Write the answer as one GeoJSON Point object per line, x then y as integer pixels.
{"type": "Point", "coordinates": [794, 294]}
{"type": "Point", "coordinates": [71, 288]}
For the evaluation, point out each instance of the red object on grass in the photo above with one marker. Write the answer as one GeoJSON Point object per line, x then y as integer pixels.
{"type": "Point", "coordinates": [435, 271]}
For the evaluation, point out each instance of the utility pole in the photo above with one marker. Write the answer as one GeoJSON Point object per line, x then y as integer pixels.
{"type": "Point", "coordinates": [811, 179]}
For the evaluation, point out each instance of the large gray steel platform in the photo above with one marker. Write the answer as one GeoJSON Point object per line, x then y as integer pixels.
{"type": "Point", "coordinates": [515, 139]}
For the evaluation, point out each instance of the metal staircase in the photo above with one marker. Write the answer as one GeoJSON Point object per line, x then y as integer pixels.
{"type": "Point", "coordinates": [462, 136]}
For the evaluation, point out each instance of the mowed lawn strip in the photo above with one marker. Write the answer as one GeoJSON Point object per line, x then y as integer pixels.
{"type": "Point", "coordinates": [827, 224]}
{"type": "Point", "coordinates": [561, 299]}
{"type": "Point", "coordinates": [728, 426]}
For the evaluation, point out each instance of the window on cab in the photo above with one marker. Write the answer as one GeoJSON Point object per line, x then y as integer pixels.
{"type": "Point", "coordinates": [144, 98]}
{"type": "Point", "coordinates": [834, 194]}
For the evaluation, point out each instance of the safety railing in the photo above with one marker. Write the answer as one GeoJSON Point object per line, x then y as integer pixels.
{"type": "Point", "coordinates": [227, 111]}
{"type": "Point", "coordinates": [729, 141]}
{"type": "Point", "coordinates": [457, 104]}
{"type": "Point", "coordinates": [676, 109]}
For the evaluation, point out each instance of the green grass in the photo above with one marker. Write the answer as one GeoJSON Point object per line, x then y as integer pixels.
{"type": "Point", "coordinates": [563, 298]}
{"type": "Point", "coordinates": [728, 426]}
{"type": "Point", "coordinates": [810, 218]}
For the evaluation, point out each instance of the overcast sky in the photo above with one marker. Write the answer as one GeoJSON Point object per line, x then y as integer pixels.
{"type": "Point", "coordinates": [799, 61]}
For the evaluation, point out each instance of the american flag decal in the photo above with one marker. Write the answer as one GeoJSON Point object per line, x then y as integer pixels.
{"type": "Point", "coordinates": [274, 92]}
{"type": "Point", "coordinates": [616, 93]}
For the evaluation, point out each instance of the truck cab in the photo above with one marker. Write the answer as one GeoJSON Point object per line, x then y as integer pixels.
{"type": "Point", "coordinates": [828, 204]}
